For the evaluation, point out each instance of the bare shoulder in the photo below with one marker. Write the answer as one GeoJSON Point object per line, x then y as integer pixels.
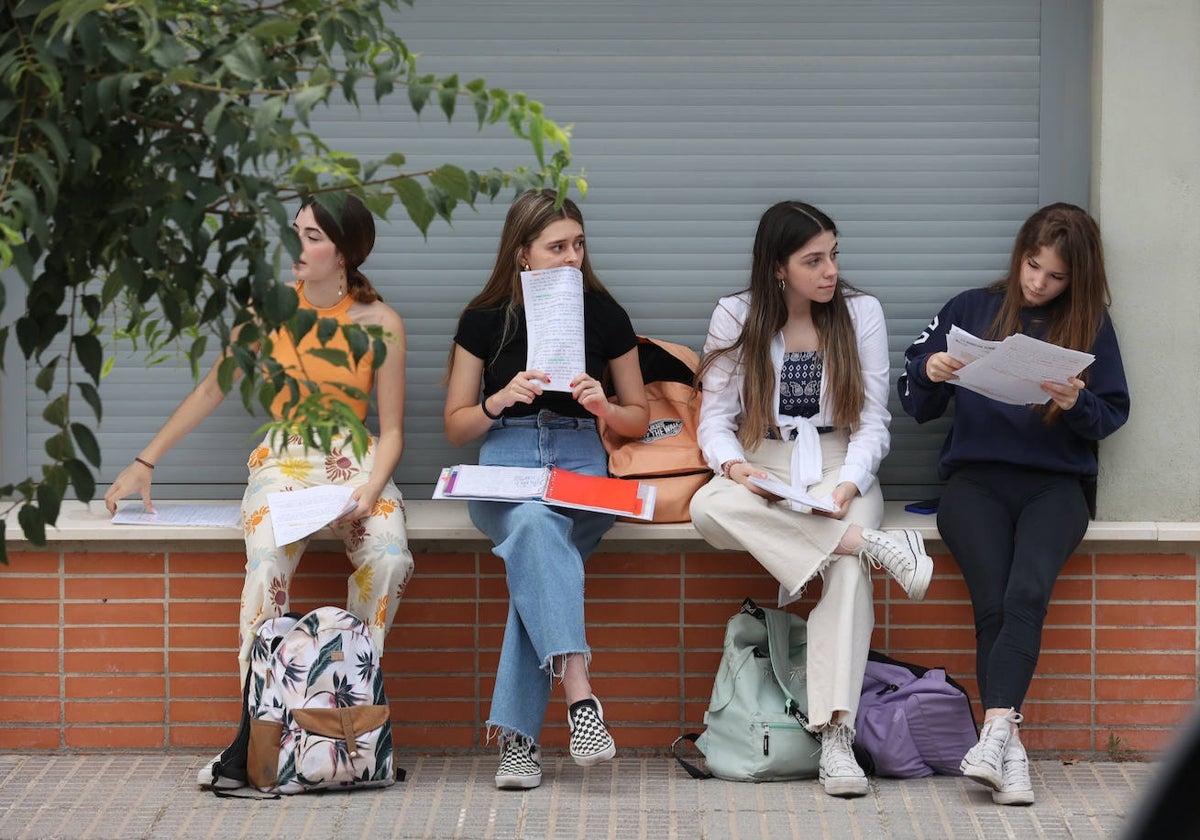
{"type": "Point", "coordinates": [377, 314]}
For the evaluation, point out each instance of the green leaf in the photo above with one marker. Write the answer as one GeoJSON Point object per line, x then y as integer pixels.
{"type": "Point", "coordinates": [58, 446]}
{"type": "Point", "coordinates": [245, 61]}
{"type": "Point", "coordinates": [307, 99]}
{"type": "Point", "coordinates": [415, 202]}
{"type": "Point", "coordinates": [92, 397]}
{"type": "Point", "coordinates": [55, 413]}
{"type": "Point", "coordinates": [448, 96]}
{"type": "Point", "coordinates": [536, 138]}
{"type": "Point", "coordinates": [32, 524]}
{"type": "Point", "coordinates": [45, 377]}
{"type": "Point", "coordinates": [81, 479]}
{"type": "Point", "coordinates": [280, 303]}
{"type": "Point", "coordinates": [302, 323]}
{"type": "Point", "coordinates": [326, 329]}
{"type": "Point", "coordinates": [49, 499]}
{"type": "Point", "coordinates": [196, 354]}
{"type": "Point", "coordinates": [419, 90]}
{"type": "Point", "coordinates": [266, 116]}
{"type": "Point", "coordinates": [275, 29]}
{"type": "Point", "coordinates": [53, 134]}
{"type": "Point", "coordinates": [212, 119]}
{"type": "Point", "coordinates": [453, 181]}
{"type": "Point", "coordinates": [358, 340]}
{"type": "Point", "coordinates": [225, 372]}
{"type": "Point", "coordinates": [90, 354]}
{"type": "Point", "coordinates": [334, 357]}
{"type": "Point", "coordinates": [86, 441]}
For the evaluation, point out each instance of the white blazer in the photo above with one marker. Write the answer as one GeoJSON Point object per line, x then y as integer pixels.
{"type": "Point", "coordinates": [721, 407]}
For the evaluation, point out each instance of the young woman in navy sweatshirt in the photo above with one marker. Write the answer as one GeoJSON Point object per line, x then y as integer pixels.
{"type": "Point", "coordinates": [1019, 478]}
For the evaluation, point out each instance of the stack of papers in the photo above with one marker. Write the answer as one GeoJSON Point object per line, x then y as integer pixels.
{"type": "Point", "coordinates": [1012, 371]}
{"type": "Point", "coordinates": [550, 486]}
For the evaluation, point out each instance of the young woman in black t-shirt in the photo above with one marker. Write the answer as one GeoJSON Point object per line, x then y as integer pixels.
{"type": "Point", "coordinates": [489, 392]}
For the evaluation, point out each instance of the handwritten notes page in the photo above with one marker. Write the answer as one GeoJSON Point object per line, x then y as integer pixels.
{"type": "Point", "coordinates": [226, 515]}
{"type": "Point", "coordinates": [1012, 371]}
{"type": "Point", "coordinates": [795, 495]}
{"type": "Point", "coordinates": [554, 322]}
{"type": "Point", "coordinates": [549, 486]}
{"type": "Point", "coordinates": [297, 513]}
{"type": "Point", "coordinates": [472, 480]}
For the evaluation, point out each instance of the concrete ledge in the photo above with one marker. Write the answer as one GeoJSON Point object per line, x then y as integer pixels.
{"type": "Point", "coordinates": [436, 522]}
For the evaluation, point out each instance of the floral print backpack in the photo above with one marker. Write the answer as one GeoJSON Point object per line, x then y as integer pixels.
{"type": "Point", "coordinates": [318, 714]}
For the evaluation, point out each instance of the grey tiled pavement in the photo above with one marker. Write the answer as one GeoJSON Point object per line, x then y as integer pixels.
{"type": "Point", "coordinates": [124, 795]}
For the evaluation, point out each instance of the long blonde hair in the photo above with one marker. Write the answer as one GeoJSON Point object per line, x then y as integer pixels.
{"type": "Point", "coordinates": [530, 214]}
{"type": "Point", "coordinates": [784, 229]}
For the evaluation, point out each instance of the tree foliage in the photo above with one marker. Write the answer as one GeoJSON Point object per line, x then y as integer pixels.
{"type": "Point", "coordinates": [149, 148]}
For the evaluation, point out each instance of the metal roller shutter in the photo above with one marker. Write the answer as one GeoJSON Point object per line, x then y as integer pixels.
{"type": "Point", "coordinates": [928, 131]}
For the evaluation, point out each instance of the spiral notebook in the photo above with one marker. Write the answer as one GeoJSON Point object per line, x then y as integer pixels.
{"type": "Point", "coordinates": [547, 485]}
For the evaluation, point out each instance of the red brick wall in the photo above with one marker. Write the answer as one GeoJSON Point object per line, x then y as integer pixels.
{"type": "Point", "coordinates": [136, 650]}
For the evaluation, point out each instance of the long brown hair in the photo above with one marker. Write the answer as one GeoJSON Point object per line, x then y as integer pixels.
{"type": "Point", "coordinates": [784, 229]}
{"type": "Point", "coordinates": [530, 214]}
{"type": "Point", "coordinates": [1076, 315]}
{"type": "Point", "coordinates": [354, 237]}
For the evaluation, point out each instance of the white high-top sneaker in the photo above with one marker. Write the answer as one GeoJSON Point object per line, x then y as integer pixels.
{"type": "Point", "coordinates": [838, 769]}
{"type": "Point", "coordinates": [1015, 787]}
{"type": "Point", "coordinates": [900, 553]}
{"type": "Point", "coordinates": [984, 762]}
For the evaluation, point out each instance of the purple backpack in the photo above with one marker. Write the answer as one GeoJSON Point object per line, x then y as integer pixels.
{"type": "Point", "coordinates": [913, 721]}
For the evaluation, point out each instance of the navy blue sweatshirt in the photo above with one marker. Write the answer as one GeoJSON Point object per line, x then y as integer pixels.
{"type": "Point", "coordinates": [985, 430]}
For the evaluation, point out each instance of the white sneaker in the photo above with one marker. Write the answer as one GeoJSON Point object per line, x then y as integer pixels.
{"type": "Point", "coordinates": [900, 553]}
{"type": "Point", "coordinates": [1015, 788]}
{"type": "Point", "coordinates": [838, 769]}
{"type": "Point", "coordinates": [216, 775]}
{"type": "Point", "coordinates": [984, 762]}
{"type": "Point", "coordinates": [520, 763]}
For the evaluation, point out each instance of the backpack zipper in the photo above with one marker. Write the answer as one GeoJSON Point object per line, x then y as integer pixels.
{"type": "Point", "coordinates": [647, 476]}
{"type": "Point", "coordinates": [778, 725]}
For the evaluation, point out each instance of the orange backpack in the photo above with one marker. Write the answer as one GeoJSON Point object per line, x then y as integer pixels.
{"type": "Point", "coordinates": [667, 456]}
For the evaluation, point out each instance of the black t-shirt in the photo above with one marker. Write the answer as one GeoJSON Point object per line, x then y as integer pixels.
{"type": "Point", "coordinates": [607, 334]}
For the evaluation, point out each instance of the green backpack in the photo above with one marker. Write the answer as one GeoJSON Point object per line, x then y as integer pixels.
{"type": "Point", "coordinates": [756, 723]}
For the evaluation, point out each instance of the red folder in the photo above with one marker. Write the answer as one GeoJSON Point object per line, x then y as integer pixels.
{"type": "Point", "coordinates": [593, 490]}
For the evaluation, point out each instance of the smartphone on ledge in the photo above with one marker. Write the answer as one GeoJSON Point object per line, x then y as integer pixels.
{"type": "Point", "coordinates": [925, 506]}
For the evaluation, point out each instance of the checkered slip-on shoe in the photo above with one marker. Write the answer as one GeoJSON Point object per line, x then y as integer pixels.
{"type": "Point", "coordinates": [520, 764]}
{"type": "Point", "coordinates": [590, 741]}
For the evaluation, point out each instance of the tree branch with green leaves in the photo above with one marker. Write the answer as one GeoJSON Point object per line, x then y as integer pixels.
{"type": "Point", "coordinates": [150, 148]}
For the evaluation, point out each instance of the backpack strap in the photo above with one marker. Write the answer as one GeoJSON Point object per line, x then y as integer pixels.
{"type": "Point", "coordinates": [692, 770]}
{"type": "Point", "coordinates": [779, 633]}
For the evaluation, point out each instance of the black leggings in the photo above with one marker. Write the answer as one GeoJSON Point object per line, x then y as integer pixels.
{"type": "Point", "coordinates": [1011, 529]}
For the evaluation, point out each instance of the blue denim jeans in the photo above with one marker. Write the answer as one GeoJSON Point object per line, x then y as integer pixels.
{"type": "Point", "coordinates": [543, 549]}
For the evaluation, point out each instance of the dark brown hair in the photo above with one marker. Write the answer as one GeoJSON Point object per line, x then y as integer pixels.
{"type": "Point", "coordinates": [354, 237]}
{"type": "Point", "coordinates": [784, 229]}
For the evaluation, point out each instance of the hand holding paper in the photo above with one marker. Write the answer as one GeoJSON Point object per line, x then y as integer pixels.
{"type": "Point", "coordinates": [297, 513]}
{"type": "Point", "coordinates": [1012, 371]}
{"type": "Point", "coordinates": [787, 491]}
{"type": "Point", "coordinates": [554, 323]}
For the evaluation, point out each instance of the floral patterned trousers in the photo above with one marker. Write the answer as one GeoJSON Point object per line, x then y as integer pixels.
{"type": "Point", "coordinates": [377, 544]}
